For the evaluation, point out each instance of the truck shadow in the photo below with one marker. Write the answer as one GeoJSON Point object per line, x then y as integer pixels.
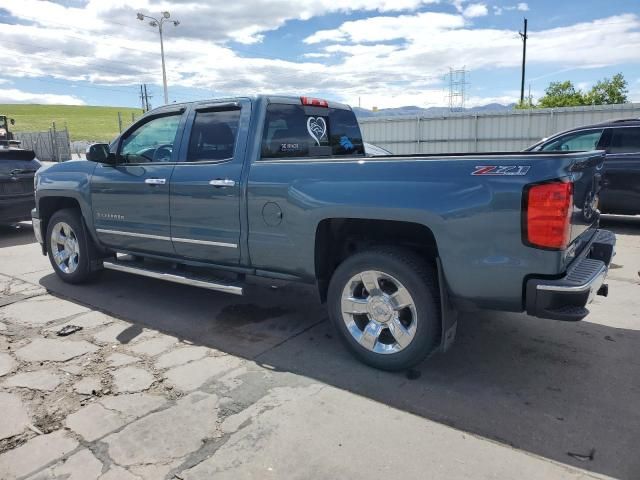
{"type": "Point", "coordinates": [621, 224]}
{"type": "Point", "coordinates": [558, 390]}
{"type": "Point", "coordinates": [17, 234]}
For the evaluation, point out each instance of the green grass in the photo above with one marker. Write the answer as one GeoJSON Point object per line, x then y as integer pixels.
{"type": "Point", "coordinates": [84, 122]}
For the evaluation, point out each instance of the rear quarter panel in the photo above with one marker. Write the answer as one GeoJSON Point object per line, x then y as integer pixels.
{"type": "Point", "coordinates": [476, 220]}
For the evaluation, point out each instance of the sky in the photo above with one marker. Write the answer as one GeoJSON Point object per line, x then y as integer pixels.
{"type": "Point", "coordinates": [373, 53]}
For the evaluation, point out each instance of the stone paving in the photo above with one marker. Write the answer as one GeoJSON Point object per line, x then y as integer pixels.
{"type": "Point", "coordinates": [124, 399]}
{"type": "Point", "coordinates": [103, 403]}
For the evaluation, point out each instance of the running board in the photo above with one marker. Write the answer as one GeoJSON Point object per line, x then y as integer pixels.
{"type": "Point", "coordinates": [184, 278]}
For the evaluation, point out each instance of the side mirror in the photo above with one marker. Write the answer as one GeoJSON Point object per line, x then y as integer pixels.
{"type": "Point", "coordinates": [12, 121]}
{"type": "Point", "coordinates": [99, 152]}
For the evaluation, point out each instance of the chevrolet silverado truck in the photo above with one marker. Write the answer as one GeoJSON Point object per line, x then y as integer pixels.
{"type": "Point", "coordinates": [213, 192]}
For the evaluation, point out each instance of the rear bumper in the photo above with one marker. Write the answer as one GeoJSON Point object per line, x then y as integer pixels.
{"type": "Point", "coordinates": [566, 298]}
{"type": "Point", "coordinates": [16, 209]}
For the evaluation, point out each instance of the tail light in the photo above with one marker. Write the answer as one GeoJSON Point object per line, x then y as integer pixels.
{"type": "Point", "coordinates": [314, 102]}
{"type": "Point", "coordinates": [547, 213]}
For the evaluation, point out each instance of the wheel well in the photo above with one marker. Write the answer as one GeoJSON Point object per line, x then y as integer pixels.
{"type": "Point", "coordinates": [50, 205]}
{"type": "Point", "coordinates": [337, 238]}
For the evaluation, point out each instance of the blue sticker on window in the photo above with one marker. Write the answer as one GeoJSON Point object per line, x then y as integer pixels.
{"type": "Point", "coordinates": [345, 142]}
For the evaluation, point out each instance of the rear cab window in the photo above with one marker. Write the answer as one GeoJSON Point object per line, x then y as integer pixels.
{"type": "Point", "coordinates": [303, 131]}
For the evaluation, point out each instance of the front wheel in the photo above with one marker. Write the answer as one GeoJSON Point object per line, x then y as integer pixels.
{"type": "Point", "coordinates": [385, 304]}
{"type": "Point", "coordinates": [70, 248]}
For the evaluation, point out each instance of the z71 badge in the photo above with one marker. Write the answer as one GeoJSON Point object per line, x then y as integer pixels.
{"type": "Point", "coordinates": [501, 170]}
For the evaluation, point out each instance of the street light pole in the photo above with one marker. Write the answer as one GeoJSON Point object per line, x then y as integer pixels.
{"type": "Point", "coordinates": [159, 23]}
{"type": "Point", "coordinates": [164, 70]}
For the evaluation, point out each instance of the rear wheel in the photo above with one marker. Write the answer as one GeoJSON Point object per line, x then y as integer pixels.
{"type": "Point", "coordinates": [385, 304]}
{"type": "Point", "coordinates": [70, 249]}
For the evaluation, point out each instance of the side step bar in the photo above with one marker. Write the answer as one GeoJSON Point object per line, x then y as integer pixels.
{"type": "Point", "coordinates": [185, 279]}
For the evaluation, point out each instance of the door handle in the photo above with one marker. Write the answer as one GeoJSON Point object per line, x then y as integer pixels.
{"type": "Point", "coordinates": [155, 181]}
{"type": "Point", "coordinates": [222, 182]}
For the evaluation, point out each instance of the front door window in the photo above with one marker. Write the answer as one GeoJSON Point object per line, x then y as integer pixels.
{"type": "Point", "coordinates": [151, 142]}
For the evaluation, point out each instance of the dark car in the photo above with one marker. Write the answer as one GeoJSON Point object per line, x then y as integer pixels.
{"type": "Point", "coordinates": [621, 140]}
{"type": "Point", "coordinates": [17, 169]}
{"type": "Point", "coordinates": [371, 150]}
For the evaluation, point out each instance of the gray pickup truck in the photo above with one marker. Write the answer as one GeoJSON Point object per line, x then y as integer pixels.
{"type": "Point", "coordinates": [281, 187]}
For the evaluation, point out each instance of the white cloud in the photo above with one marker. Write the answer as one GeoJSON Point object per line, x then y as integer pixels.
{"type": "Point", "coordinates": [316, 55]}
{"type": "Point", "coordinates": [390, 58]}
{"type": "Point", "coordinates": [521, 7]}
{"type": "Point", "coordinates": [12, 95]}
{"type": "Point", "coordinates": [215, 20]}
{"type": "Point", "coordinates": [377, 29]}
{"type": "Point", "coordinates": [475, 10]}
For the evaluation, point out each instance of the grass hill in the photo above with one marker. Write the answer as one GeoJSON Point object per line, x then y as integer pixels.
{"type": "Point", "coordinates": [84, 122]}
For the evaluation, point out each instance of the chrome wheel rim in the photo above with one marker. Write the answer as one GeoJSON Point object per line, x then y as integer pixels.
{"type": "Point", "coordinates": [64, 247]}
{"type": "Point", "coordinates": [379, 312]}
{"type": "Point", "coordinates": [590, 206]}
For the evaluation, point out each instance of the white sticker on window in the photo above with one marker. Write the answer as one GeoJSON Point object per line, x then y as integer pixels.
{"type": "Point", "coordinates": [317, 128]}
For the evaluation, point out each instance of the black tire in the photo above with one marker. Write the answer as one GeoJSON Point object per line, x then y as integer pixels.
{"type": "Point", "coordinates": [86, 250]}
{"type": "Point", "coordinates": [417, 276]}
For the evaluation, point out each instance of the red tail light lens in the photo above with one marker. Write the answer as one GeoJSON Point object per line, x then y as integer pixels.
{"type": "Point", "coordinates": [548, 215]}
{"type": "Point", "coordinates": [314, 102]}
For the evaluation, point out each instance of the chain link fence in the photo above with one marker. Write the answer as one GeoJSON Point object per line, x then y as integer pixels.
{"type": "Point", "coordinates": [50, 146]}
{"type": "Point", "coordinates": [55, 146]}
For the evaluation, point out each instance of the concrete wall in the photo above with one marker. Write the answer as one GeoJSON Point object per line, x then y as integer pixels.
{"type": "Point", "coordinates": [483, 132]}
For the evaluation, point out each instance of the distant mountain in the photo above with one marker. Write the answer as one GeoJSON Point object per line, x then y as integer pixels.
{"type": "Point", "coordinates": [412, 111]}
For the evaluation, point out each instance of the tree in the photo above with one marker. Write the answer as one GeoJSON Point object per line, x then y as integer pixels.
{"type": "Point", "coordinates": [608, 91]}
{"type": "Point", "coordinates": [562, 94]}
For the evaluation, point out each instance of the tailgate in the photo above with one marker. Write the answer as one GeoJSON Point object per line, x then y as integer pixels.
{"type": "Point", "coordinates": [17, 168]}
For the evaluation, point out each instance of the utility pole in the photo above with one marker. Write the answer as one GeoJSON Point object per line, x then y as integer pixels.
{"type": "Point", "coordinates": [524, 37]}
{"type": "Point", "coordinates": [142, 99]}
{"type": "Point", "coordinates": [146, 107]}
{"type": "Point", "coordinates": [154, 22]}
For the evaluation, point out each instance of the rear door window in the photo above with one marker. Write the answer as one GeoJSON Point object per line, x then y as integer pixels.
{"type": "Point", "coordinates": [625, 140]}
{"type": "Point", "coordinates": [580, 141]}
{"type": "Point", "coordinates": [213, 136]}
{"type": "Point", "coordinates": [298, 131]}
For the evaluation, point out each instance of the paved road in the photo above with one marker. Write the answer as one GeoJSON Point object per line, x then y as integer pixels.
{"type": "Point", "coordinates": [206, 384]}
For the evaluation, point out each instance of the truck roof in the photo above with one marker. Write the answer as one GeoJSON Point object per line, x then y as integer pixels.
{"type": "Point", "coordinates": [286, 99]}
